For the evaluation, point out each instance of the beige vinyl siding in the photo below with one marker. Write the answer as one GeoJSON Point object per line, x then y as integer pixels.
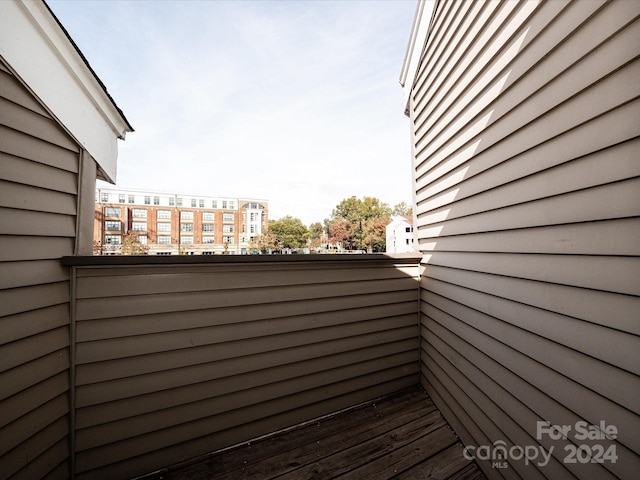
{"type": "Point", "coordinates": [526, 130]}
{"type": "Point", "coordinates": [38, 196]}
{"type": "Point", "coordinates": [173, 362]}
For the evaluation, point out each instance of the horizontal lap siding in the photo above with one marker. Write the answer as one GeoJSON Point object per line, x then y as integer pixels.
{"type": "Point", "coordinates": [176, 362]}
{"type": "Point", "coordinates": [526, 131]}
{"type": "Point", "coordinates": [38, 192]}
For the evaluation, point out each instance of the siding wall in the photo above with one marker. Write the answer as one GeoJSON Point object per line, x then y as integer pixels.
{"type": "Point", "coordinates": [39, 166]}
{"type": "Point", "coordinates": [526, 120]}
{"type": "Point", "coordinates": [176, 361]}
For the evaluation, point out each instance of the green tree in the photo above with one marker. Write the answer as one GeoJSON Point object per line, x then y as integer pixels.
{"type": "Point", "coordinates": [290, 232]}
{"type": "Point", "coordinates": [357, 223]}
{"type": "Point", "coordinates": [402, 209]}
{"type": "Point", "coordinates": [353, 209]}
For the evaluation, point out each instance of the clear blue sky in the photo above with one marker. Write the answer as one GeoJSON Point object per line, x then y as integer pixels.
{"type": "Point", "coordinates": [296, 102]}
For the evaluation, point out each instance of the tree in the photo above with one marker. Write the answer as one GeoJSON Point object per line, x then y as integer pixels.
{"type": "Point", "coordinates": [341, 231]}
{"type": "Point", "coordinates": [290, 232]}
{"type": "Point", "coordinates": [353, 209]}
{"type": "Point", "coordinates": [357, 223]}
{"type": "Point", "coordinates": [131, 245]}
{"type": "Point", "coordinates": [375, 237]}
{"type": "Point", "coordinates": [402, 209]}
{"type": "Point", "coordinates": [265, 242]}
{"type": "Point", "coordinates": [316, 234]}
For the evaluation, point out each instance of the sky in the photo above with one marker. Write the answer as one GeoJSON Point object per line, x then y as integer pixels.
{"type": "Point", "coordinates": [296, 102]}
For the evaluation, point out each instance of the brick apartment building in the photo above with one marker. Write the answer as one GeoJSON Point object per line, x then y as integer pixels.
{"type": "Point", "coordinates": [173, 223]}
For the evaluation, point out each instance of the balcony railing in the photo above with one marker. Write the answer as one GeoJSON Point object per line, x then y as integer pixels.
{"type": "Point", "coordinates": [174, 357]}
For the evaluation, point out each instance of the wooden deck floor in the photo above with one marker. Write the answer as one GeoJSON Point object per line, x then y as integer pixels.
{"type": "Point", "coordinates": [401, 437]}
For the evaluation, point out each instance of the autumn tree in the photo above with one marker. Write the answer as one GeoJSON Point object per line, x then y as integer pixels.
{"type": "Point", "coordinates": [341, 231]}
{"type": "Point", "coordinates": [290, 232]}
{"type": "Point", "coordinates": [375, 234]}
{"type": "Point", "coordinates": [97, 247]}
{"type": "Point", "coordinates": [357, 223]}
{"type": "Point", "coordinates": [131, 245]}
{"type": "Point", "coordinates": [265, 242]}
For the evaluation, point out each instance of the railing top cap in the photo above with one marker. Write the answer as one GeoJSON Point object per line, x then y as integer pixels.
{"type": "Point", "coordinates": [131, 260]}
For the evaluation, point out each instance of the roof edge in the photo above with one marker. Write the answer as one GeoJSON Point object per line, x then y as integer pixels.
{"type": "Point", "coordinates": [33, 41]}
{"type": "Point", "coordinates": [88, 65]}
{"type": "Point", "coordinates": [417, 40]}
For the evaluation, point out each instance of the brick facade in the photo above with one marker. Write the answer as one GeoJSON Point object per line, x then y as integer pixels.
{"type": "Point", "coordinates": [172, 224]}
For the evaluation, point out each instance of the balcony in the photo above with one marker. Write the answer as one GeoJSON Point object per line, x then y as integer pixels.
{"type": "Point", "coordinates": [177, 357]}
{"type": "Point", "coordinates": [402, 436]}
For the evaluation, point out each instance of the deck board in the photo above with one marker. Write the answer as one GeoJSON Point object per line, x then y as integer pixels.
{"type": "Point", "coordinates": [402, 436]}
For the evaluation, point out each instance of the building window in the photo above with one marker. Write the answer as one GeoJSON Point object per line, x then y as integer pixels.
{"type": "Point", "coordinates": [209, 239]}
{"type": "Point", "coordinates": [179, 200]}
{"type": "Point", "coordinates": [142, 239]}
{"type": "Point", "coordinates": [227, 217]}
{"type": "Point", "coordinates": [186, 240]}
{"type": "Point", "coordinates": [164, 227]}
{"type": "Point", "coordinates": [121, 198]}
{"type": "Point", "coordinates": [104, 197]}
{"type": "Point", "coordinates": [186, 215]}
{"type": "Point", "coordinates": [207, 216]}
{"type": "Point", "coordinates": [224, 204]}
{"type": "Point", "coordinates": [207, 227]}
{"type": "Point", "coordinates": [253, 229]}
{"type": "Point", "coordinates": [139, 226]}
{"type": "Point", "coordinates": [227, 228]}
{"type": "Point", "coordinates": [227, 239]}
{"type": "Point", "coordinates": [164, 214]}
{"type": "Point", "coordinates": [164, 239]}
{"type": "Point", "coordinates": [156, 200]}
{"type": "Point", "coordinates": [112, 212]}
{"type": "Point", "coordinates": [132, 199]}
{"type": "Point", "coordinates": [201, 203]}
{"type": "Point", "coordinates": [147, 200]}
{"type": "Point", "coordinates": [172, 201]}
{"type": "Point", "coordinates": [214, 204]}
{"type": "Point", "coordinates": [139, 213]}
{"type": "Point", "coordinates": [186, 227]}
{"type": "Point", "coordinates": [112, 239]}
{"type": "Point", "coordinates": [193, 202]}
{"type": "Point", "coordinates": [232, 205]}
{"type": "Point", "coordinates": [112, 226]}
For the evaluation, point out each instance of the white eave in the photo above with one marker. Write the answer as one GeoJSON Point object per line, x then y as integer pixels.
{"type": "Point", "coordinates": [42, 55]}
{"type": "Point", "coordinates": [417, 42]}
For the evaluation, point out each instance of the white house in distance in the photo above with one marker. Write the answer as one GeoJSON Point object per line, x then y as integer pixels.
{"type": "Point", "coordinates": [400, 235]}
